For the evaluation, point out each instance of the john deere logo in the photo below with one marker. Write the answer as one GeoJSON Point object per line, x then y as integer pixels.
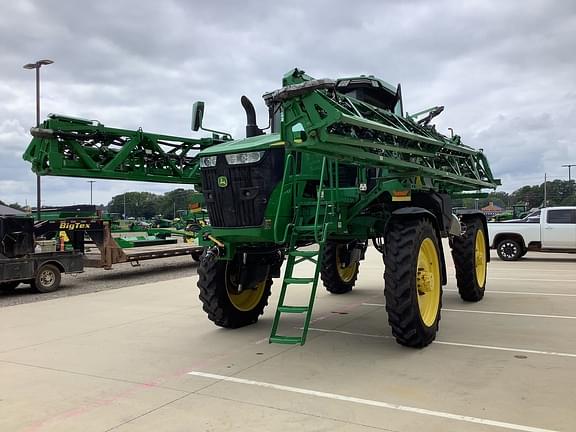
{"type": "Point", "coordinates": [222, 181]}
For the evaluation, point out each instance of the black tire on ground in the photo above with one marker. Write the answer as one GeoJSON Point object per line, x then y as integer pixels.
{"type": "Point", "coordinates": [337, 279]}
{"type": "Point", "coordinates": [509, 250]}
{"type": "Point", "coordinates": [470, 261]}
{"type": "Point", "coordinates": [47, 279]}
{"type": "Point", "coordinates": [196, 256]}
{"type": "Point", "coordinates": [8, 287]}
{"type": "Point", "coordinates": [223, 307]}
{"type": "Point", "coordinates": [408, 281]}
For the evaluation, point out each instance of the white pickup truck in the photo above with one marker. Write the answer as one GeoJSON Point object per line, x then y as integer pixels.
{"type": "Point", "coordinates": [551, 229]}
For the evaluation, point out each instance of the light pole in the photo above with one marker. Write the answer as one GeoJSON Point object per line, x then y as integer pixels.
{"type": "Point", "coordinates": [37, 66]}
{"type": "Point", "coordinates": [545, 191]}
{"type": "Point", "coordinates": [91, 183]}
{"type": "Point", "coordinates": [569, 166]}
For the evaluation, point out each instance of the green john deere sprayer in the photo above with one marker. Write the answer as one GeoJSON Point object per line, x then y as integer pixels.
{"type": "Point", "coordinates": [343, 165]}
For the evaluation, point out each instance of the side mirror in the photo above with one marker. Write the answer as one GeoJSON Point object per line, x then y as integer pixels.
{"type": "Point", "coordinates": [197, 115]}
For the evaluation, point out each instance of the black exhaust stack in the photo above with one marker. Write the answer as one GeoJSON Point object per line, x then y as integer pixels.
{"type": "Point", "coordinates": [252, 128]}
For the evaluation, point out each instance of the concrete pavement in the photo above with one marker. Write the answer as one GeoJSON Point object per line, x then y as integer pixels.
{"type": "Point", "coordinates": [145, 358]}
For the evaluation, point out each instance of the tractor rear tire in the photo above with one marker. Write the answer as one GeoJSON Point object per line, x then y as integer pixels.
{"type": "Point", "coordinates": [470, 255]}
{"type": "Point", "coordinates": [337, 279]}
{"type": "Point", "coordinates": [8, 287]}
{"type": "Point", "coordinates": [413, 281]}
{"type": "Point", "coordinates": [220, 299]}
{"type": "Point", "coordinates": [47, 279]}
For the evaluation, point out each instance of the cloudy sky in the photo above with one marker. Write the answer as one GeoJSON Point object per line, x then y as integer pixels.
{"type": "Point", "coordinates": [506, 71]}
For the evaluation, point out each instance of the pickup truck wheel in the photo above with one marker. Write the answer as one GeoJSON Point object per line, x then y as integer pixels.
{"type": "Point", "coordinates": [470, 257]}
{"type": "Point", "coordinates": [8, 287]}
{"type": "Point", "coordinates": [509, 250]}
{"type": "Point", "coordinates": [47, 279]}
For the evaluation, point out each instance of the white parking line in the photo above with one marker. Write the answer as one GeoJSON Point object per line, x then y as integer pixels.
{"type": "Point", "coordinates": [509, 313]}
{"type": "Point", "coordinates": [370, 402]}
{"type": "Point", "coordinates": [532, 280]}
{"type": "Point", "coordinates": [521, 293]}
{"type": "Point", "coordinates": [457, 344]}
{"type": "Point", "coordinates": [491, 312]}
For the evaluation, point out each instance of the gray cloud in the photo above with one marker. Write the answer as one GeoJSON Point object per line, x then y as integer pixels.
{"type": "Point", "coordinates": [504, 70]}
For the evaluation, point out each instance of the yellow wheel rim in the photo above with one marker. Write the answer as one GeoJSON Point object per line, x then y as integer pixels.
{"type": "Point", "coordinates": [247, 299]}
{"type": "Point", "coordinates": [346, 273]}
{"type": "Point", "coordinates": [428, 282]}
{"type": "Point", "coordinates": [480, 258]}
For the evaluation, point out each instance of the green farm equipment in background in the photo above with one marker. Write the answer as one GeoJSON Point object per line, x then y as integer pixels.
{"type": "Point", "coordinates": [518, 211]}
{"type": "Point", "coordinates": [77, 211]}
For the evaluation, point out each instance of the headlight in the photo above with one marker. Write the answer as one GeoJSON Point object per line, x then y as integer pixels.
{"type": "Point", "coordinates": [244, 158]}
{"type": "Point", "coordinates": [208, 162]}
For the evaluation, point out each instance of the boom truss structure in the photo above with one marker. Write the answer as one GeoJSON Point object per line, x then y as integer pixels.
{"type": "Point", "coordinates": [320, 119]}
{"type": "Point", "coordinates": [67, 146]}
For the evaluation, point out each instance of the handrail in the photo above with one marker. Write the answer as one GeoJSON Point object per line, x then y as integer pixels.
{"type": "Point", "coordinates": [287, 165]}
{"type": "Point", "coordinates": [319, 197]}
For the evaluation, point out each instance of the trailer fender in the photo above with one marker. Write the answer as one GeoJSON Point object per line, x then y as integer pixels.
{"type": "Point", "coordinates": [405, 212]}
{"type": "Point", "coordinates": [55, 263]}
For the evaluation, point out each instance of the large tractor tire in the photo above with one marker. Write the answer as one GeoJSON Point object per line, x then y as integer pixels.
{"type": "Point", "coordinates": [470, 257]}
{"type": "Point", "coordinates": [413, 281]}
{"type": "Point", "coordinates": [220, 298]}
{"type": "Point", "coordinates": [47, 279]}
{"type": "Point", "coordinates": [338, 278]}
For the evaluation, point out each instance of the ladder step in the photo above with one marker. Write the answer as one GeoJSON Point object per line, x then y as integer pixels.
{"type": "Point", "coordinates": [311, 202]}
{"type": "Point", "coordinates": [293, 309]}
{"type": "Point", "coordinates": [302, 281]}
{"type": "Point", "coordinates": [306, 254]}
{"type": "Point", "coordinates": [286, 340]}
{"type": "Point", "coordinates": [304, 228]}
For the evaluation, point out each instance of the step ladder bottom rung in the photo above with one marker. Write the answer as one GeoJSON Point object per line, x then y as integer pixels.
{"type": "Point", "coordinates": [302, 281]}
{"type": "Point", "coordinates": [305, 254]}
{"type": "Point", "coordinates": [293, 309]}
{"type": "Point", "coordinates": [286, 340]}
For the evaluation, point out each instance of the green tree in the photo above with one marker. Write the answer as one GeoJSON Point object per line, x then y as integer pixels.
{"type": "Point", "coordinates": [138, 204]}
{"type": "Point", "coordinates": [178, 199]}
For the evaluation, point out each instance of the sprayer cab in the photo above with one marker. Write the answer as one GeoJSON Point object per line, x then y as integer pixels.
{"type": "Point", "coordinates": [373, 91]}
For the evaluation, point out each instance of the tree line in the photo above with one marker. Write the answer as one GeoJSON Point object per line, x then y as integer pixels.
{"type": "Point", "coordinates": [148, 205]}
{"type": "Point", "coordinates": [558, 193]}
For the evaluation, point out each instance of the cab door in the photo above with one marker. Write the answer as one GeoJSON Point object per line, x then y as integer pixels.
{"type": "Point", "coordinates": [559, 229]}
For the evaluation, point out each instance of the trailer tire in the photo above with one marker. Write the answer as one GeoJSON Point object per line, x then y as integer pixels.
{"type": "Point", "coordinates": [8, 287]}
{"type": "Point", "coordinates": [337, 279]}
{"type": "Point", "coordinates": [413, 281]}
{"type": "Point", "coordinates": [509, 250]}
{"type": "Point", "coordinates": [224, 308]}
{"type": "Point", "coordinates": [470, 255]}
{"type": "Point", "coordinates": [47, 279]}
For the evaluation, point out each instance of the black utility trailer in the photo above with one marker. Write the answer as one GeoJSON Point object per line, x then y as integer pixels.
{"type": "Point", "coordinates": [19, 262]}
{"type": "Point", "coordinates": [41, 270]}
